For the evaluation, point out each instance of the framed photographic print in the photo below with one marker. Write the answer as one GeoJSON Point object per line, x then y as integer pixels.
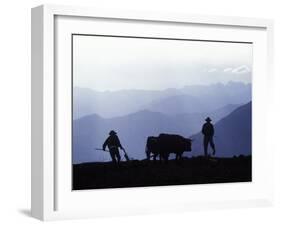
{"type": "Point", "coordinates": [137, 112]}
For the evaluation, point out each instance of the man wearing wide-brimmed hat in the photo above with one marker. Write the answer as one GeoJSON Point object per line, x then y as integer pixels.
{"type": "Point", "coordinates": [208, 132]}
{"type": "Point", "coordinates": [113, 144]}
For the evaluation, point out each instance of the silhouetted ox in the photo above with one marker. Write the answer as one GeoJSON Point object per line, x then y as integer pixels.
{"type": "Point", "coordinates": [165, 144]}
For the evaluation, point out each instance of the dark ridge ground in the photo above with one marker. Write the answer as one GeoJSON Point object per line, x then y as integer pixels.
{"type": "Point", "coordinates": [141, 173]}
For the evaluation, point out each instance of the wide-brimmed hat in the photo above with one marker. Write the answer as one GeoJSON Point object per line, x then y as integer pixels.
{"type": "Point", "coordinates": [208, 119]}
{"type": "Point", "coordinates": [112, 132]}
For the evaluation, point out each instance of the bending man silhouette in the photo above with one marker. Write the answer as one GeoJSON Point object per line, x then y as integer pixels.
{"type": "Point", "coordinates": [208, 132]}
{"type": "Point", "coordinates": [113, 144]}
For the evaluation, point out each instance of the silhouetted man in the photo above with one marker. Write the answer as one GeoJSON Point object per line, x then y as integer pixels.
{"type": "Point", "coordinates": [113, 144]}
{"type": "Point", "coordinates": [208, 132]}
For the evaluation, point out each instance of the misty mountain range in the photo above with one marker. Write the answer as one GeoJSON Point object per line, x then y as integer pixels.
{"type": "Point", "coordinates": [189, 99]}
{"type": "Point", "coordinates": [90, 131]}
{"type": "Point", "coordinates": [232, 126]}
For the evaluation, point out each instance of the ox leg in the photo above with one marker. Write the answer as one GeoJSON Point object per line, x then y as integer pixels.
{"type": "Point", "coordinates": [166, 157]}
{"type": "Point", "coordinates": [180, 157]}
{"type": "Point", "coordinates": [148, 153]}
{"type": "Point", "coordinates": [154, 157]}
{"type": "Point", "coordinates": [160, 158]}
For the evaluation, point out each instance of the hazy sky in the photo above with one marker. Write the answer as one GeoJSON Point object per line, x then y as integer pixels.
{"type": "Point", "coordinates": [110, 63]}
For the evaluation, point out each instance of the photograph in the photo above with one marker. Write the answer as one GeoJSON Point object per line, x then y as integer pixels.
{"type": "Point", "coordinates": [156, 111]}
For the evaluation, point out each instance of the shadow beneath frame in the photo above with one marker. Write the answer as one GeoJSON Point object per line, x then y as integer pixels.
{"type": "Point", "coordinates": [25, 212]}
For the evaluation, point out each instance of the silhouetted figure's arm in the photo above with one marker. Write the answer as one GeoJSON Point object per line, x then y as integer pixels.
{"type": "Point", "coordinates": [105, 144]}
{"type": "Point", "coordinates": [119, 143]}
{"type": "Point", "coordinates": [212, 130]}
{"type": "Point", "coordinates": [204, 129]}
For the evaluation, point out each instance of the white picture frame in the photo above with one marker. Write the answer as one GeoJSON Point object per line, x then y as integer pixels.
{"type": "Point", "coordinates": [52, 197]}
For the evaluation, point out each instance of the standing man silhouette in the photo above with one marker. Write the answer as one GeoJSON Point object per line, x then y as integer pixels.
{"type": "Point", "coordinates": [208, 132]}
{"type": "Point", "coordinates": [113, 144]}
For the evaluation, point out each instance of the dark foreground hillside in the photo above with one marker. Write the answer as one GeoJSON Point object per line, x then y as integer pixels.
{"type": "Point", "coordinates": [146, 173]}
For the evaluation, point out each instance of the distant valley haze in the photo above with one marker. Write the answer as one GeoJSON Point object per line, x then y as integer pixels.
{"type": "Point", "coordinates": [189, 99]}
